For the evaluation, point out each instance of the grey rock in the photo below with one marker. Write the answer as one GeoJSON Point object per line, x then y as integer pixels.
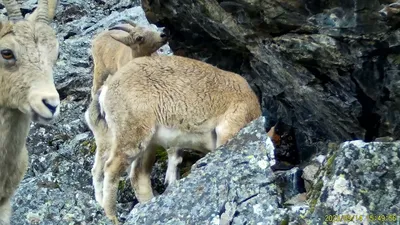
{"type": "Point", "coordinates": [309, 174]}
{"type": "Point", "coordinates": [233, 185]}
{"type": "Point", "coordinates": [359, 179]}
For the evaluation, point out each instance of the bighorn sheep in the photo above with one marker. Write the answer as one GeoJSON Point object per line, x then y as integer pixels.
{"type": "Point", "coordinates": [113, 48]}
{"type": "Point", "coordinates": [167, 101]}
{"type": "Point", "coordinates": [29, 50]}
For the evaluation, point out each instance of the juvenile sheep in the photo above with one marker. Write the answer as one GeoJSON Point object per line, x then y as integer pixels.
{"type": "Point", "coordinates": [167, 101]}
{"type": "Point", "coordinates": [29, 50]}
{"type": "Point", "coordinates": [113, 48]}
{"type": "Point", "coordinates": [110, 51]}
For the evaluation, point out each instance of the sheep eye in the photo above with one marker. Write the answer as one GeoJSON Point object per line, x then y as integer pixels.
{"type": "Point", "coordinates": [139, 38]}
{"type": "Point", "coordinates": [7, 54]}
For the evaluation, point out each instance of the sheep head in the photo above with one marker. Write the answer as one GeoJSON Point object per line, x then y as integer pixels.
{"type": "Point", "coordinates": [28, 52]}
{"type": "Point", "coordinates": [141, 40]}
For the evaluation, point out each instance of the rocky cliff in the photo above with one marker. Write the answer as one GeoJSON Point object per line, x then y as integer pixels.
{"type": "Point", "coordinates": [326, 69]}
{"type": "Point", "coordinates": [326, 72]}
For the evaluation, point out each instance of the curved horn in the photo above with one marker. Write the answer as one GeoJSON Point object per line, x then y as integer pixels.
{"type": "Point", "coordinates": [126, 29]}
{"type": "Point", "coordinates": [130, 22]}
{"type": "Point", "coordinates": [43, 10]}
{"type": "Point", "coordinates": [12, 7]}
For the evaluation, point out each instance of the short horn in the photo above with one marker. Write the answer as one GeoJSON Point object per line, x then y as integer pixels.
{"type": "Point", "coordinates": [13, 10]}
{"type": "Point", "coordinates": [43, 9]}
{"type": "Point", "coordinates": [126, 29]}
{"type": "Point", "coordinates": [130, 22]}
{"type": "Point", "coordinates": [52, 7]}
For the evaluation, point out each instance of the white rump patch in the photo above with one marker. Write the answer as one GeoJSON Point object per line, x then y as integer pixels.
{"type": "Point", "coordinates": [88, 119]}
{"type": "Point", "coordinates": [102, 97]}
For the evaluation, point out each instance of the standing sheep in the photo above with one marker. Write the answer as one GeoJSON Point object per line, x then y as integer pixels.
{"type": "Point", "coordinates": [167, 101]}
{"type": "Point", "coordinates": [112, 49]}
{"type": "Point", "coordinates": [29, 50]}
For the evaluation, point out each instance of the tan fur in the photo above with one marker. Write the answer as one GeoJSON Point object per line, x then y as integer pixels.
{"type": "Point", "coordinates": [102, 137]}
{"type": "Point", "coordinates": [170, 101]}
{"type": "Point", "coordinates": [111, 49]}
{"type": "Point", "coordinates": [25, 82]}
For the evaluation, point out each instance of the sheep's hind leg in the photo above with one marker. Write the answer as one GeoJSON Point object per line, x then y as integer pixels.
{"type": "Point", "coordinates": [97, 172]}
{"type": "Point", "coordinates": [115, 165]}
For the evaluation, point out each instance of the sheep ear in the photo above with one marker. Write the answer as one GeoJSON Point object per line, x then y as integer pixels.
{"type": "Point", "coordinates": [123, 38]}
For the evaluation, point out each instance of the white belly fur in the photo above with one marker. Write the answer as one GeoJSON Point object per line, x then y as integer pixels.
{"type": "Point", "coordinates": [171, 137]}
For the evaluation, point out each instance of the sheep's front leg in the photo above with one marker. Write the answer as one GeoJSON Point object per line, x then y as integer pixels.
{"type": "Point", "coordinates": [5, 211]}
{"type": "Point", "coordinates": [174, 159]}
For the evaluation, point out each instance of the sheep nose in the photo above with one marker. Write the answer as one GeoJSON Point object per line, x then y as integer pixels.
{"type": "Point", "coordinates": [163, 35]}
{"type": "Point", "coordinates": [383, 13]}
{"type": "Point", "coordinates": [51, 105]}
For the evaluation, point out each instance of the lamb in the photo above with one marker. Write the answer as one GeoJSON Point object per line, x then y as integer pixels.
{"type": "Point", "coordinates": [29, 50]}
{"type": "Point", "coordinates": [167, 101]}
{"type": "Point", "coordinates": [113, 48]}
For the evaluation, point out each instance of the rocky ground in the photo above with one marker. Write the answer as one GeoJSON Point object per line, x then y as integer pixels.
{"type": "Point", "coordinates": [326, 73]}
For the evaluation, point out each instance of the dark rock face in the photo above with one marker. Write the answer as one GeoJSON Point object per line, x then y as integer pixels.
{"type": "Point", "coordinates": [328, 69]}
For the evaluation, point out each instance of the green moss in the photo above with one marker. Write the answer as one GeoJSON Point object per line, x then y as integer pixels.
{"type": "Point", "coordinates": [121, 185]}
{"type": "Point", "coordinates": [285, 221]}
{"type": "Point", "coordinates": [329, 163]}
{"type": "Point", "coordinates": [317, 188]}
{"type": "Point", "coordinates": [313, 203]}
{"type": "Point", "coordinates": [395, 58]}
{"type": "Point", "coordinates": [89, 147]}
{"type": "Point", "coordinates": [92, 148]}
{"type": "Point", "coordinates": [161, 154]}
